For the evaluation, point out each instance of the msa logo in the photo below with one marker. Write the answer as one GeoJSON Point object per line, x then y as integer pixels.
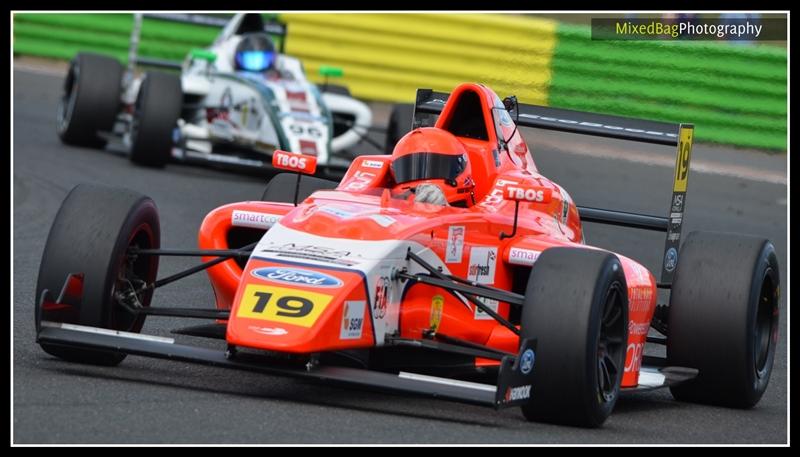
{"type": "Point", "coordinates": [518, 393]}
{"type": "Point", "coordinates": [297, 277]}
{"type": "Point", "coordinates": [311, 250]}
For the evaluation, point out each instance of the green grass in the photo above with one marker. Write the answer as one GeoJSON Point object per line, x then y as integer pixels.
{"type": "Point", "coordinates": [733, 94]}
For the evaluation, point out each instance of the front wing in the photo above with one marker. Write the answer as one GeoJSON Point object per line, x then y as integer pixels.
{"type": "Point", "coordinates": [510, 377]}
{"type": "Point", "coordinates": [513, 387]}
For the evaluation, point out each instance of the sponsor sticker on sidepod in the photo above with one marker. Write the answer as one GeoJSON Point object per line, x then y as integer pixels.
{"type": "Point", "coordinates": [352, 320]}
{"type": "Point", "coordinates": [519, 256]}
{"type": "Point", "coordinates": [455, 244]}
{"type": "Point", "coordinates": [253, 219]}
{"type": "Point", "coordinates": [296, 277]}
{"type": "Point", "coordinates": [482, 262]}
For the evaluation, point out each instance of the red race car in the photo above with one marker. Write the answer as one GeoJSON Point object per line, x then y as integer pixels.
{"type": "Point", "coordinates": [451, 268]}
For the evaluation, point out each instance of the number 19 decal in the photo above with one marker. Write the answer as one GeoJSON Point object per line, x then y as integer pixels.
{"type": "Point", "coordinates": [280, 304]}
{"type": "Point", "coordinates": [682, 161]}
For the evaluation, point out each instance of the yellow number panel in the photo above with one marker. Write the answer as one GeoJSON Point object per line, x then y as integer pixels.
{"type": "Point", "coordinates": [280, 304]}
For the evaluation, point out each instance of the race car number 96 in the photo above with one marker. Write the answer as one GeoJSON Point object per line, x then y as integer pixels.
{"type": "Point", "coordinates": [280, 304]}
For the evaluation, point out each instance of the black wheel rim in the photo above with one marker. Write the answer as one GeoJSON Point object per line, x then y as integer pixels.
{"type": "Point", "coordinates": [766, 324]}
{"type": "Point", "coordinates": [133, 273]}
{"type": "Point", "coordinates": [610, 345]}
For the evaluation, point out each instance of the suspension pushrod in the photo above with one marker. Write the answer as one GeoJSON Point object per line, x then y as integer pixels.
{"type": "Point", "coordinates": [439, 279]}
{"type": "Point", "coordinates": [193, 270]}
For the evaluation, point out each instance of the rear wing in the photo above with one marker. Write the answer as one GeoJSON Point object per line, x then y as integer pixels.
{"type": "Point", "coordinates": [429, 105]}
{"type": "Point", "coordinates": [274, 28]}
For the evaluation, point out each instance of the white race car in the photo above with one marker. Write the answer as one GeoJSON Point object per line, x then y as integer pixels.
{"type": "Point", "coordinates": [233, 103]}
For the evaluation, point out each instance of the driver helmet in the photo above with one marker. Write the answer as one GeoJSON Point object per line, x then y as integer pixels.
{"type": "Point", "coordinates": [431, 155]}
{"type": "Point", "coordinates": [255, 52]}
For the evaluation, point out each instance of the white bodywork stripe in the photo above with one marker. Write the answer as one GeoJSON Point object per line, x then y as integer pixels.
{"type": "Point", "coordinates": [105, 331]}
{"type": "Point", "coordinates": [447, 382]}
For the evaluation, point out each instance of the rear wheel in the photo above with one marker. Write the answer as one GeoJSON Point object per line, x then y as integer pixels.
{"type": "Point", "coordinates": [90, 101]}
{"type": "Point", "coordinates": [576, 308]}
{"type": "Point", "coordinates": [91, 235]}
{"type": "Point", "coordinates": [400, 122]}
{"type": "Point", "coordinates": [156, 113]}
{"type": "Point", "coordinates": [723, 318]}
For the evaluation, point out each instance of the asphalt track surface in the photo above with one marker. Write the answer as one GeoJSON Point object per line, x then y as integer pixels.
{"type": "Point", "coordinates": [153, 401]}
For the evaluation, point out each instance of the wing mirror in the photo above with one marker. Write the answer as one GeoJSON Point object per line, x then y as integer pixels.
{"type": "Point", "coordinates": [331, 72]}
{"type": "Point", "coordinates": [527, 193]}
{"type": "Point", "coordinates": [328, 71]}
{"type": "Point", "coordinates": [297, 163]}
{"type": "Point", "coordinates": [203, 54]}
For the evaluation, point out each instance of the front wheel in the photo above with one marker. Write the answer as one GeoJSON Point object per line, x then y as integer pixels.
{"type": "Point", "coordinates": [723, 318]}
{"type": "Point", "coordinates": [576, 308]}
{"type": "Point", "coordinates": [91, 235]}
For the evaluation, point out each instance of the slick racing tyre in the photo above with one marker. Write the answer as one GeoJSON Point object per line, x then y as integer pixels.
{"type": "Point", "coordinates": [280, 188]}
{"type": "Point", "coordinates": [91, 235]}
{"type": "Point", "coordinates": [155, 117]}
{"type": "Point", "coordinates": [90, 101]}
{"type": "Point", "coordinates": [400, 122]}
{"type": "Point", "coordinates": [723, 318]}
{"type": "Point", "coordinates": [576, 308]}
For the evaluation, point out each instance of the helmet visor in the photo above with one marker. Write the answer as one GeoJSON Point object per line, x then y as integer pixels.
{"type": "Point", "coordinates": [428, 165]}
{"type": "Point", "coordinates": [255, 60]}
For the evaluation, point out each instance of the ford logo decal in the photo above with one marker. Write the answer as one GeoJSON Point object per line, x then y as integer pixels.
{"type": "Point", "coordinates": [297, 277]}
{"type": "Point", "coordinates": [526, 362]}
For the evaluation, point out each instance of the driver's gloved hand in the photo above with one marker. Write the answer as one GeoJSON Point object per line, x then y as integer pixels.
{"type": "Point", "coordinates": [430, 193]}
